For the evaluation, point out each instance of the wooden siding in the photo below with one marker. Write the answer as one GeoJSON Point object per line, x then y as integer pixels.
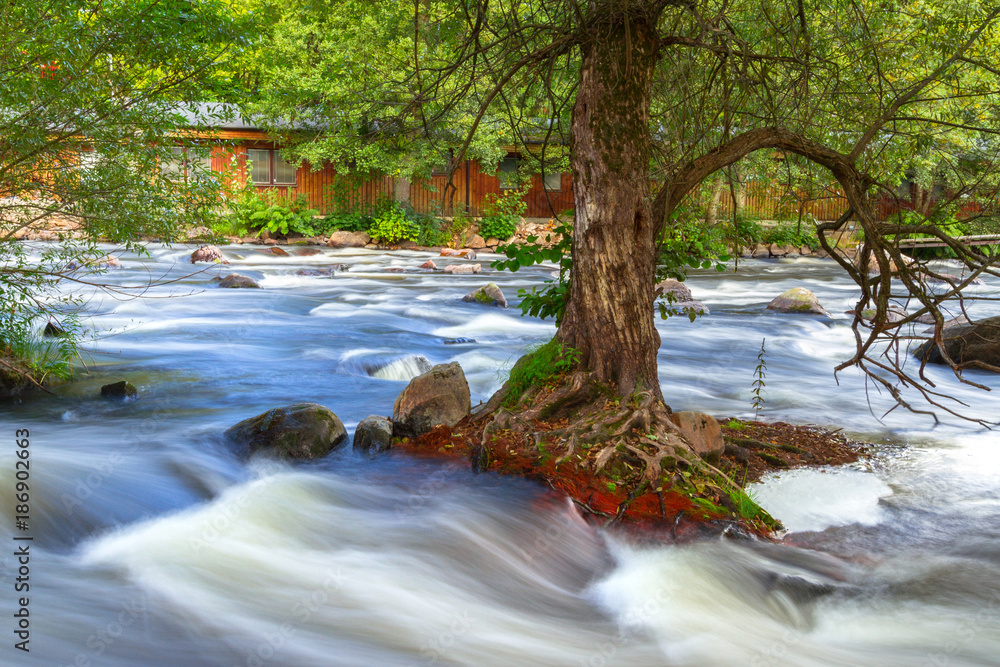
{"type": "Point", "coordinates": [768, 202]}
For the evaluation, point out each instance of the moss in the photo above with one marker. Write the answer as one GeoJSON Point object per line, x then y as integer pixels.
{"type": "Point", "coordinates": [538, 368]}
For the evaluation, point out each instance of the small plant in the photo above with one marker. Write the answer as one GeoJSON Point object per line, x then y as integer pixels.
{"type": "Point", "coordinates": [758, 381]}
{"type": "Point", "coordinates": [538, 368]}
{"type": "Point", "coordinates": [285, 216]}
{"type": "Point", "coordinates": [392, 226]}
{"type": "Point", "coordinates": [501, 213]}
{"type": "Point", "coordinates": [735, 425]}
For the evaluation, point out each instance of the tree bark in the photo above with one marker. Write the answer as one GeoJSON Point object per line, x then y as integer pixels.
{"type": "Point", "coordinates": [609, 318]}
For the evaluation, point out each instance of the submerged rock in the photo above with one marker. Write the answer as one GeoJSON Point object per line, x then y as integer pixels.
{"type": "Point", "coordinates": [702, 432]}
{"type": "Point", "coordinates": [429, 264]}
{"type": "Point", "coordinates": [277, 252]}
{"type": "Point", "coordinates": [238, 281]}
{"type": "Point", "coordinates": [119, 390]}
{"type": "Point", "coordinates": [459, 341]}
{"type": "Point", "coordinates": [208, 253]}
{"type": "Point", "coordinates": [964, 343]}
{"type": "Point", "coordinates": [298, 431]}
{"type": "Point", "coordinates": [373, 436]}
{"type": "Point", "coordinates": [439, 396]}
{"type": "Point", "coordinates": [797, 300]}
{"type": "Point", "coordinates": [488, 294]}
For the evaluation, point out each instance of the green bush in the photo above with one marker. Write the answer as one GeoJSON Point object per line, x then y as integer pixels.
{"type": "Point", "coordinates": [392, 226]}
{"type": "Point", "coordinates": [255, 212]}
{"type": "Point", "coordinates": [501, 213]}
{"type": "Point", "coordinates": [786, 234]}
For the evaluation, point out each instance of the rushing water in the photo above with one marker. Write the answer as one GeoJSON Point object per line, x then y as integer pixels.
{"type": "Point", "coordinates": [154, 544]}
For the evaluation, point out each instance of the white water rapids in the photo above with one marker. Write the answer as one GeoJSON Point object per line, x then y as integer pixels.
{"type": "Point", "coordinates": [154, 544]}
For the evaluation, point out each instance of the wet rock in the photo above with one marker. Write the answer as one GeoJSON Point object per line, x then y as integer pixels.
{"type": "Point", "coordinates": [948, 279]}
{"type": "Point", "coordinates": [873, 266]}
{"type": "Point", "coordinates": [449, 252]}
{"type": "Point", "coordinates": [682, 297]}
{"type": "Point", "coordinates": [459, 341]}
{"type": "Point", "coordinates": [439, 396]}
{"type": "Point", "coordinates": [797, 300]}
{"type": "Point", "coordinates": [208, 253]}
{"type": "Point", "coordinates": [927, 318]}
{"type": "Point", "coordinates": [53, 330]}
{"type": "Point", "coordinates": [307, 252]}
{"type": "Point", "coordinates": [394, 269]}
{"type": "Point", "coordinates": [805, 250]}
{"type": "Point", "coordinates": [373, 436]}
{"type": "Point", "coordinates": [199, 232]}
{"type": "Point", "coordinates": [776, 250]}
{"type": "Point", "coordinates": [489, 295]}
{"type": "Point", "coordinates": [463, 269]}
{"type": "Point", "coordinates": [348, 240]}
{"type": "Point", "coordinates": [110, 261]}
{"type": "Point", "coordinates": [320, 273]}
{"type": "Point", "coordinates": [467, 253]}
{"type": "Point", "coordinates": [760, 251]}
{"type": "Point", "coordinates": [702, 432]}
{"type": "Point", "coordinates": [895, 314]}
{"type": "Point", "coordinates": [406, 244]}
{"type": "Point", "coordinates": [476, 242]}
{"type": "Point", "coordinates": [277, 252]}
{"type": "Point", "coordinates": [119, 390]}
{"type": "Point", "coordinates": [299, 431]}
{"type": "Point", "coordinates": [429, 264]}
{"type": "Point", "coordinates": [238, 281]}
{"type": "Point", "coordinates": [492, 242]}
{"type": "Point", "coordinates": [964, 343]}
{"type": "Point", "coordinates": [14, 378]}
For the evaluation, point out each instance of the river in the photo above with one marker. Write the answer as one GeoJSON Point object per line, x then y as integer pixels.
{"type": "Point", "coordinates": [154, 544]}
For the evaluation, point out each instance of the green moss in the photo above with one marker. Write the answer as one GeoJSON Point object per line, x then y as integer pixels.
{"type": "Point", "coordinates": [538, 368]}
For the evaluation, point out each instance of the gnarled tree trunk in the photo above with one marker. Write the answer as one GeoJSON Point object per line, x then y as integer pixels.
{"type": "Point", "coordinates": [609, 316]}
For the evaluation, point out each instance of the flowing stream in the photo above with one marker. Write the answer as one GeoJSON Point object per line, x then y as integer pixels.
{"type": "Point", "coordinates": [154, 544]}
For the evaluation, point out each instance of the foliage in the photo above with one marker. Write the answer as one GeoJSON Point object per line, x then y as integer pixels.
{"type": "Point", "coordinates": [88, 113]}
{"type": "Point", "coordinates": [538, 367]}
{"type": "Point", "coordinates": [392, 226]}
{"type": "Point", "coordinates": [758, 381]}
{"type": "Point", "coordinates": [788, 234]}
{"type": "Point", "coordinates": [501, 214]}
{"type": "Point", "coordinates": [283, 216]}
{"type": "Point", "coordinates": [548, 301]}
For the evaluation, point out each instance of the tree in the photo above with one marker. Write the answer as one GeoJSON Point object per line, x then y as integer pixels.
{"type": "Point", "coordinates": [90, 107]}
{"type": "Point", "coordinates": [665, 93]}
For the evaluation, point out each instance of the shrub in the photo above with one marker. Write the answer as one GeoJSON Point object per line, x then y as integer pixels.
{"type": "Point", "coordinates": [392, 226]}
{"type": "Point", "coordinates": [501, 213]}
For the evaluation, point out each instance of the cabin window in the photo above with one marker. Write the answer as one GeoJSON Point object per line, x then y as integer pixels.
{"type": "Point", "coordinates": [187, 162]}
{"type": "Point", "coordinates": [269, 168]}
{"type": "Point", "coordinates": [172, 166]}
{"type": "Point", "coordinates": [507, 173]}
{"type": "Point", "coordinates": [552, 181]}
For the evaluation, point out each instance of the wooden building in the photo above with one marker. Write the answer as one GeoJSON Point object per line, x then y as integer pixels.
{"type": "Point", "coordinates": [234, 143]}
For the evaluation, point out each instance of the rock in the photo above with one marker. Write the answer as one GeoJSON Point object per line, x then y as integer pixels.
{"type": "Point", "coordinates": [109, 261]}
{"type": "Point", "coordinates": [459, 341]}
{"type": "Point", "coordinates": [199, 232]}
{"type": "Point", "coordinates": [119, 390]}
{"type": "Point", "coordinates": [208, 253]}
{"type": "Point", "coordinates": [439, 396]}
{"type": "Point", "coordinates": [702, 432]}
{"type": "Point", "coordinates": [873, 266]}
{"type": "Point", "coordinates": [805, 250]}
{"type": "Point", "coordinates": [406, 244]}
{"type": "Point", "coordinates": [277, 252]}
{"type": "Point", "coordinates": [463, 269]}
{"type": "Point", "coordinates": [977, 341]}
{"type": "Point", "coordinates": [895, 314]}
{"type": "Point", "coordinates": [489, 295]}
{"type": "Point", "coordinates": [53, 330]}
{"type": "Point", "coordinates": [299, 431]}
{"type": "Point", "coordinates": [789, 250]}
{"type": "Point", "coordinates": [394, 269]}
{"type": "Point", "coordinates": [927, 318]}
{"type": "Point", "coordinates": [476, 242]}
{"type": "Point", "coordinates": [797, 300]}
{"type": "Point", "coordinates": [348, 240]}
{"type": "Point", "coordinates": [949, 279]}
{"type": "Point", "coordinates": [373, 436]}
{"type": "Point", "coordinates": [776, 250]}
{"type": "Point", "coordinates": [760, 251]}
{"type": "Point", "coordinates": [322, 273]}
{"type": "Point", "coordinates": [467, 253]}
{"type": "Point", "coordinates": [449, 252]}
{"type": "Point", "coordinates": [14, 378]}
{"type": "Point", "coordinates": [307, 252]}
{"type": "Point", "coordinates": [492, 242]}
{"type": "Point", "coordinates": [429, 264]}
{"type": "Point", "coordinates": [238, 281]}
{"type": "Point", "coordinates": [675, 287]}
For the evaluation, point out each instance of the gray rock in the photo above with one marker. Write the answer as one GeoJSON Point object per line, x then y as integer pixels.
{"type": "Point", "coordinates": [373, 436]}
{"type": "Point", "coordinates": [895, 314]}
{"type": "Point", "coordinates": [208, 253]}
{"type": "Point", "coordinates": [477, 242]}
{"type": "Point", "coordinates": [348, 240]}
{"type": "Point", "coordinates": [702, 432]}
{"type": "Point", "coordinates": [977, 341]}
{"type": "Point", "coordinates": [797, 300]}
{"type": "Point", "coordinates": [683, 300]}
{"type": "Point", "coordinates": [463, 269]}
{"type": "Point", "coordinates": [760, 251]}
{"type": "Point", "coordinates": [776, 250]}
{"type": "Point", "coordinates": [299, 431]}
{"type": "Point", "coordinates": [927, 318]}
{"type": "Point", "coordinates": [459, 341]}
{"type": "Point", "coordinates": [119, 390]}
{"type": "Point", "coordinates": [489, 295]}
{"type": "Point", "coordinates": [439, 396]}
{"type": "Point", "coordinates": [238, 281]}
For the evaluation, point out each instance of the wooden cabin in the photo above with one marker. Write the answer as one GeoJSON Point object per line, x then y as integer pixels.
{"type": "Point", "coordinates": [237, 141]}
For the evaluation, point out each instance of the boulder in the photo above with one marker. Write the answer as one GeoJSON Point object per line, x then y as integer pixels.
{"type": "Point", "coordinates": [702, 432]}
{"type": "Point", "coordinates": [299, 431]}
{"type": "Point", "coordinates": [119, 390]}
{"type": "Point", "coordinates": [927, 318]}
{"type": "Point", "coordinates": [429, 264]}
{"type": "Point", "coordinates": [776, 250]}
{"type": "Point", "coordinates": [895, 314]}
{"type": "Point", "coordinates": [977, 341]}
{"type": "Point", "coordinates": [873, 266]}
{"type": "Point", "coordinates": [307, 252]}
{"type": "Point", "coordinates": [449, 252]}
{"type": "Point", "coordinates": [373, 436]}
{"type": "Point", "coordinates": [109, 261]}
{"type": "Point", "coordinates": [348, 240]}
{"type": "Point", "coordinates": [948, 279]}
{"type": "Point", "coordinates": [467, 253]}
{"type": "Point", "coordinates": [407, 244]}
{"type": "Point", "coordinates": [492, 242]}
{"type": "Point", "coordinates": [208, 253]}
{"type": "Point", "coordinates": [797, 300]}
{"type": "Point", "coordinates": [53, 330]}
{"type": "Point", "coordinates": [14, 378]}
{"type": "Point", "coordinates": [463, 269]}
{"type": "Point", "coordinates": [277, 252]}
{"type": "Point", "coordinates": [489, 295]}
{"type": "Point", "coordinates": [805, 250]}
{"type": "Point", "coordinates": [682, 298]}
{"type": "Point", "coordinates": [760, 251]}
{"type": "Point", "coordinates": [238, 281]}
{"type": "Point", "coordinates": [323, 273]}
{"type": "Point", "coordinates": [476, 242]}
{"type": "Point", "coordinates": [439, 396]}
{"type": "Point", "coordinates": [199, 232]}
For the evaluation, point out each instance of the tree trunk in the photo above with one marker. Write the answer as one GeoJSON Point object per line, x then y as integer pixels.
{"type": "Point", "coordinates": [609, 316]}
{"type": "Point", "coordinates": [712, 212]}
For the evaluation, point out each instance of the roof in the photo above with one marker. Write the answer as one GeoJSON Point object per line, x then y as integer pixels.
{"type": "Point", "coordinates": [218, 115]}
